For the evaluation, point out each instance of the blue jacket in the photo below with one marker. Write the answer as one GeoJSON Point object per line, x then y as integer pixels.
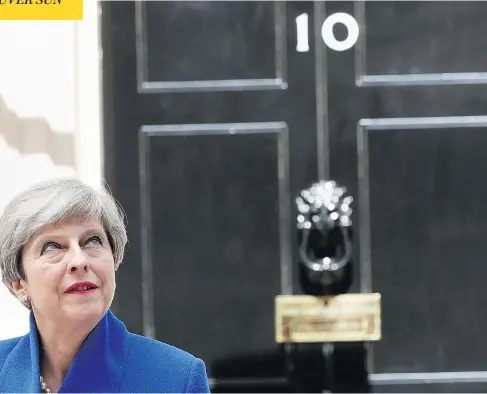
{"type": "Point", "coordinates": [110, 360]}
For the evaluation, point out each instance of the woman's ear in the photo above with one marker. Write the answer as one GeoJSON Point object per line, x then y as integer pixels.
{"type": "Point", "coordinates": [19, 290]}
{"type": "Point", "coordinates": [17, 286]}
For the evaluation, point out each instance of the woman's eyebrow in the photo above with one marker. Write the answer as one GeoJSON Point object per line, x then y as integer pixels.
{"type": "Point", "coordinates": [95, 229]}
{"type": "Point", "coordinates": [56, 235]}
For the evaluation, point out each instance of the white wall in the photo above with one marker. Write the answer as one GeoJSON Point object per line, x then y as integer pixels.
{"type": "Point", "coordinates": [49, 114]}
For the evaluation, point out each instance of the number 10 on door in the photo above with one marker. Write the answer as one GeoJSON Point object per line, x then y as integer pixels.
{"type": "Point", "coordinates": [302, 32]}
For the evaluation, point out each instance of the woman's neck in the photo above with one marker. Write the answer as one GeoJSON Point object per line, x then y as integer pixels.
{"type": "Point", "coordinates": [55, 360]}
{"type": "Point", "coordinates": [59, 345]}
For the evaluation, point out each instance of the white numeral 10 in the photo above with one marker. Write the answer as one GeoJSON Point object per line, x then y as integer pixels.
{"type": "Point", "coordinates": [302, 32]}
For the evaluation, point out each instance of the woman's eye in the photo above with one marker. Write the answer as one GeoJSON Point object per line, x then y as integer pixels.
{"type": "Point", "coordinates": [94, 239]}
{"type": "Point", "coordinates": [50, 246]}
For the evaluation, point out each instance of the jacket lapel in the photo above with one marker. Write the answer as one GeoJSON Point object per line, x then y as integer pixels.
{"type": "Point", "coordinates": [20, 373]}
{"type": "Point", "coordinates": [100, 363]}
{"type": "Point", "coordinates": [98, 367]}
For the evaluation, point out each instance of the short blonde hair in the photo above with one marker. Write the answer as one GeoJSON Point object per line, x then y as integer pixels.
{"type": "Point", "coordinates": [50, 202]}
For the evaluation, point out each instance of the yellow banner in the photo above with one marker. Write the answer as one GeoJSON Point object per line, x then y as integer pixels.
{"type": "Point", "coordinates": [41, 9]}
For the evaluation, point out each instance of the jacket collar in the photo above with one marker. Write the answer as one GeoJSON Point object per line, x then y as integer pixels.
{"type": "Point", "coordinates": [98, 366]}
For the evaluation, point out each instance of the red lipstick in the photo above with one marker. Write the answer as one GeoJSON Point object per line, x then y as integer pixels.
{"type": "Point", "coordinates": [81, 288]}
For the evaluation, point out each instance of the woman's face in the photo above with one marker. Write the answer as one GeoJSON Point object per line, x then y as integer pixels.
{"type": "Point", "coordinates": [69, 253]}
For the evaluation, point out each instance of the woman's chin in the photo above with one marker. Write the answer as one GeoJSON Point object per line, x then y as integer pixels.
{"type": "Point", "coordinates": [85, 312]}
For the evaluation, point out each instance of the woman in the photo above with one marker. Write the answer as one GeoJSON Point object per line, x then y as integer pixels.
{"type": "Point", "coordinates": [61, 242]}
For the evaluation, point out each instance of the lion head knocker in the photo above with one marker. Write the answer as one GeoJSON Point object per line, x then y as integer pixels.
{"type": "Point", "coordinates": [325, 237]}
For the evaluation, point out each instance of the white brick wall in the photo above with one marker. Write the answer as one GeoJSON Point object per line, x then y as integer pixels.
{"type": "Point", "coordinates": [49, 114]}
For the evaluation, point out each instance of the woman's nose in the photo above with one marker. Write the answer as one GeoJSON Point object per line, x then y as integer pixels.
{"type": "Point", "coordinates": [78, 261]}
{"type": "Point", "coordinates": [74, 268]}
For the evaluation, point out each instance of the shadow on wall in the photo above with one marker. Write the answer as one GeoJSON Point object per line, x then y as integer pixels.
{"type": "Point", "coordinates": [34, 136]}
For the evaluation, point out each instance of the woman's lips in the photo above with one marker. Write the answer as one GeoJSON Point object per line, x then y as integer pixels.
{"type": "Point", "coordinates": [80, 291]}
{"type": "Point", "coordinates": [81, 288]}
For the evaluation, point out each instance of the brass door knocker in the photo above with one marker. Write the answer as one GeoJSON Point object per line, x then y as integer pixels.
{"type": "Point", "coordinates": [325, 236]}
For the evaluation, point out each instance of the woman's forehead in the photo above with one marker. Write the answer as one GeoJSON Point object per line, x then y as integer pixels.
{"type": "Point", "coordinates": [73, 225]}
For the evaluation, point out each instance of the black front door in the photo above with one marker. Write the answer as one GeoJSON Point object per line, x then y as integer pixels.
{"type": "Point", "coordinates": [217, 116]}
{"type": "Point", "coordinates": [408, 134]}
